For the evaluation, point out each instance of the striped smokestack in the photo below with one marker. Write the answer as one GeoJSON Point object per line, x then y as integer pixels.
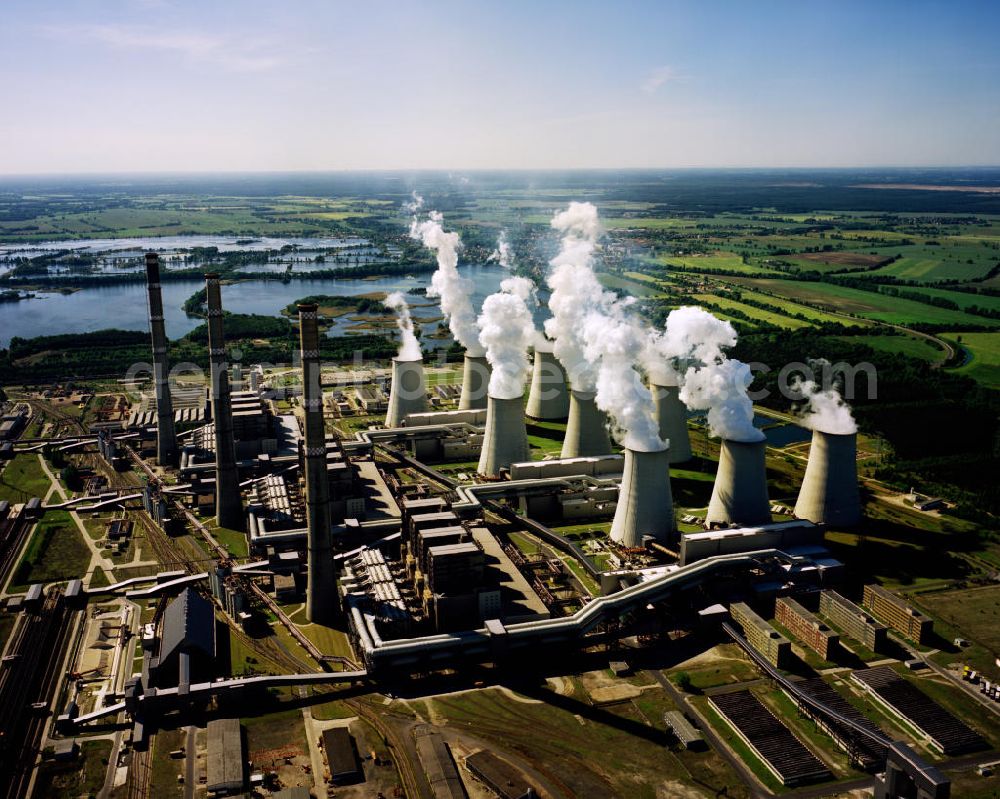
{"type": "Point", "coordinates": [228, 503]}
{"type": "Point", "coordinates": [321, 588]}
{"type": "Point", "coordinates": [166, 438]}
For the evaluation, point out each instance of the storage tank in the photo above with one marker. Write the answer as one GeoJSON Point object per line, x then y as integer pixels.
{"type": "Point", "coordinates": [506, 439]}
{"type": "Point", "coordinates": [671, 415]}
{"type": "Point", "coordinates": [408, 393]}
{"type": "Point", "coordinates": [548, 398]}
{"type": "Point", "coordinates": [475, 382]}
{"type": "Point", "coordinates": [829, 493]}
{"type": "Point", "coordinates": [586, 429]}
{"type": "Point", "coordinates": [740, 492]}
{"type": "Point", "coordinates": [645, 504]}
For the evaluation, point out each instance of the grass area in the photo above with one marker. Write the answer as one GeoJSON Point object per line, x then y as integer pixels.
{"type": "Point", "coordinates": [753, 312]}
{"type": "Point", "coordinates": [633, 287]}
{"type": "Point", "coordinates": [919, 348]}
{"type": "Point", "coordinates": [23, 478]}
{"type": "Point", "coordinates": [866, 304]}
{"type": "Point", "coordinates": [82, 777]}
{"type": "Point", "coordinates": [272, 732]}
{"type": "Point", "coordinates": [714, 262]}
{"type": "Point", "coordinates": [233, 540]}
{"type": "Point", "coordinates": [244, 660]}
{"type": "Point", "coordinates": [55, 552]}
{"type": "Point", "coordinates": [970, 614]}
{"type": "Point", "coordinates": [962, 299]}
{"type": "Point", "coordinates": [164, 768]}
{"type": "Point", "coordinates": [791, 308]}
{"type": "Point", "coordinates": [934, 263]}
{"type": "Point", "coordinates": [984, 363]}
{"type": "Point", "coordinates": [99, 578]}
{"type": "Point", "coordinates": [328, 640]}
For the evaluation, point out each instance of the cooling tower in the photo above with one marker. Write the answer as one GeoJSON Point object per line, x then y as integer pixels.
{"type": "Point", "coordinates": [671, 416]}
{"type": "Point", "coordinates": [321, 588]}
{"type": "Point", "coordinates": [475, 381]}
{"type": "Point", "coordinates": [548, 398]}
{"type": "Point", "coordinates": [166, 438]}
{"type": "Point", "coordinates": [740, 492]}
{"type": "Point", "coordinates": [645, 506]}
{"type": "Point", "coordinates": [586, 429]}
{"type": "Point", "coordinates": [228, 503]}
{"type": "Point", "coordinates": [829, 492]}
{"type": "Point", "coordinates": [408, 394]}
{"type": "Point", "coordinates": [506, 440]}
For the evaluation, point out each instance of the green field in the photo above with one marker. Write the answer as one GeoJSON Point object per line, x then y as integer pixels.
{"type": "Point", "coordinates": [55, 552]}
{"type": "Point", "coordinates": [23, 478]}
{"type": "Point", "coordinates": [754, 313]}
{"type": "Point", "coordinates": [793, 308]}
{"type": "Point", "coordinates": [985, 351]}
{"type": "Point", "coordinates": [931, 264]}
{"type": "Point", "coordinates": [713, 262]}
{"type": "Point", "coordinates": [866, 304]}
{"type": "Point", "coordinates": [962, 299]}
{"type": "Point", "coordinates": [919, 348]}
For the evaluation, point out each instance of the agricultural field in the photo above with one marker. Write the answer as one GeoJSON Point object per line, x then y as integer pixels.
{"type": "Point", "coordinates": [984, 351]}
{"type": "Point", "coordinates": [919, 348]}
{"type": "Point", "coordinates": [868, 305]}
{"type": "Point", "coordinates": [962, 299]}
{"type": "Point", "coordinates": [931, 264]}
{"type": "Point", "coordinates": [713, 262]}
{"type": "Point", "coordinates": [754, 313]}
{"type": "Point", "coordinates": [792, 308]}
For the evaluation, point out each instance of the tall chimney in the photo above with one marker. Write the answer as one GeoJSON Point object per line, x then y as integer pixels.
{"type": "Point", "coordinates": [166, 438]}
{"type": "Point", "coordinates": [407, 394]}
{"type": "Point", "coordinates": [645, 504]}
{"type": "Point", "coordinates": [321, 586]}
{"type": "Point", "coordinates": [228, 503]}
{"type": "Point", "coordinates": [671, 415]}
{"type": "Point", "coordinates": [506, 438]}
{"type": "Point", "coordinates": [586, 429]}
{"type": "Point", "coordinates": [475, 379]}
{"type": "Point", "coordinates": [740, 492]}
{"type": "Point", "coordinates": [829, 493]}
{"type": "Point", "coordinates": [548, 398]}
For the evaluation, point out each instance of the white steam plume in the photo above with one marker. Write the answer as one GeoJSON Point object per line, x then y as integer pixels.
{"type": "Point", "coordinates": [409, 347]}
{"type": "Point", "coordinates": [507, 330]}
{"type": "Point", "coordinates": [822, 410]}
{"type": "Point", "coordinates": [721, 389]}
{"type": "Point", "coordinates": [594, 335]}
{"type": "Point", "coordinates": [691, 336]}
{"type": "Point", "coordinates": [504, 253]}
{"type": "Point", "coordinates": [454, 290]}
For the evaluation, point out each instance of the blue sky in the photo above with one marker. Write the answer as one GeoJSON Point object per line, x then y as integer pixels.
{"type": "Point", "coordinates": [173, 85]}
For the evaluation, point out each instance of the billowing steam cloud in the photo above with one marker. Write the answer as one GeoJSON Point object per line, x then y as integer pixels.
{"type": "Point", "coordinates": [504, 253]}
{"type": "Point", "coordinates": [507, 330]}
{"type": "Point", "coordinates": [454, 290]}
{"type": "Point", "coordinates": [409, 347]}
{"type": "Point", "coordinates": [721, 389]}
{"type": "Point", "coordinates": [691, 336]}
{"type": "Point", "coordinates": [594, 336]}
{"type": "Point", "coordinates": [825, 411]}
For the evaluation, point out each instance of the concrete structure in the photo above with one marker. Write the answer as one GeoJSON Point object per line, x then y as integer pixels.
{"type": "Point", "coordinates": [586, 428]}
{"type": "Point", "coordinates": [645, 506]}
{"type": "Point", "coordinates": [774, 647]}
{"type": "Point", "coordinates": [908, 776]}
{"type": "Point", "coordinates": [408, 393]}
{"type": "Point", "coordinates": [475, 380]}
{"type": "Point", "coordinates": [786, 536]}
{"type": "Point", "coordinates": [187, 642]}
{"type": "Point", "coordinates": [548, 398]}
{"type": "Point", "coordinates": [166, 436]}
{"type": "Point", "coordinates": [829, 493]}
{"type": "Point", "coordinates": [684, 731]}
{"type": "Point", "coordinates": [740, 492]}
{"type": "Point", "coordinates": [671, 415]}
{"type": "Point", "coordinates": [806, 627]}
{"type": "Point", "coordinates": [506, 439]}
{"type": "Point", "coordinates": [894, 611]}
{"type": "Point", "coordinates": [228, 503]}
{"type": "Point", "coordinates": [853, 621]}
{"type": "Point", "coordinates": [321, 589]}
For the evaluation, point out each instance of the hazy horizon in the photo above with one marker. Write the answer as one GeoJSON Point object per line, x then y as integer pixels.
{"type": "Point", "coordinates": [161, 86]}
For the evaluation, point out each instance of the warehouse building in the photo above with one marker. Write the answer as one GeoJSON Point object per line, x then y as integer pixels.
{"type": "Point", "coordinates": [187, 642]}
{"type": "Point", "coordinates": [806, 627]}
{"type": "Point", "coordinates": [225, 764]}
{"type": "Point", "coordinates": [775, 648]}
{"type": "Point", "coordinates": [499, 776]}
{"type": "Point", "coordinates": [853, 621]}
{"type": "Point", "coordinates": [894, 611]}
{"type": "Point", "coordinates": [341, 756]}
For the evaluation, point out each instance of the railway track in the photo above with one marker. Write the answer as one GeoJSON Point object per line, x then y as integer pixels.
{"type": "Point", "coordinates": [13, 533]}
{"type": "Point", "coordinates": [29, 678]}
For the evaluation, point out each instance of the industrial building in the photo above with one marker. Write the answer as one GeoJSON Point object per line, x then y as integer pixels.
{"type": "Point", "coordinates": [225, 763]}
{"type": "Point", "coordinates": [806, 627]}
{"type": "Point", "coordinates": [853, 621]}
{"type": "Point", "coordinates": [499, 776]}
{"type": "Point", "coordinates": [775, 648]}
{"type": "Point", "coordinates": [341, 756]}
{"type": "Point", "coordinates": [186, 652]}
{"type": "Point", "coordinates": [786, 536]}
{"type": "Point", "coordinates": [896, 613]}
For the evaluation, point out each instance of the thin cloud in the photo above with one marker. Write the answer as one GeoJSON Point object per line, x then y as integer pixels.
{"type": "Point", "coordinates": [655, 79]}
{"type": "Point", "coordinates": [233, 55]}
